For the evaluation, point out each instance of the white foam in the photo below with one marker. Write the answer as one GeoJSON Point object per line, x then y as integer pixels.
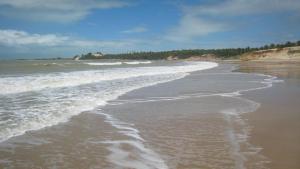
{"type": "Point", "coordinates": [266, 83]}
{"type": "Point", "coordinates": [103, 63]}
{"type": "Point", "coordinates": [63, 95]}
{"type": "Point", "coordinates": [239, 138]}
{"type": "Point", "coordinates": [10, 85]}
{"type": "Point", "coordinates": [147, 159]}
{"type": "Point", "coordinates": [137, 62]}
{"type": "Point", "coordinates": [37, 101]}
{"type": "Point", "coordinates": [49, 64]}
{"type": "Point", "coordinates": [124, 128]}
{"type": "Point", "coordinates": [144, 157]}
{"type": "Point", "coordinates": [119, 156]}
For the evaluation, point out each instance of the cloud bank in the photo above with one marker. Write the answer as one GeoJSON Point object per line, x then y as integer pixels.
{"type": "Point", "coordinates": [18, 41]}
{"type": "Point", "coordinates": [200, 20]}
{"type": "Point", "coordinates": [55, 10]}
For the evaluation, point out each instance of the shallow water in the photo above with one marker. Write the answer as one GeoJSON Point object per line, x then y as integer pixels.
{"type": "Point", "coordinates": [81, 119]}
{"type": "Point", "coordinates": [276, 122]}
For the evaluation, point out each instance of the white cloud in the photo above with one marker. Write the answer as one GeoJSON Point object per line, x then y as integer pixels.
{"type": "Point", "coordinates": [55, 10]}
{"type": "Point", "coordinates": [22, 44]}
{"type": "Point", "coordinates": [244, 7]}
{"type": "Point", "coordinates": [191, 27]}
{"type": "Point", "coordinates": [138, 29]}
{"type": "Point", "coordinates": [200, 20]}
{"type": "Point", "coordinates": [19, 38]}
{"type": "Point", "coordinates": [24, 40]}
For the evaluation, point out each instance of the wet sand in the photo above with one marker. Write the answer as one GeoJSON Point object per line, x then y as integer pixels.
{"type": "Point", "coordinates": [76, 144]}
{"type": "Point", "coordinates": [190, 127]}
{"type": "Point", "coordinates": [276, 123]}
{"type": "Point", "coordinates": [190, 137]}
{"type": "Point", "coordinates": [199, 121]}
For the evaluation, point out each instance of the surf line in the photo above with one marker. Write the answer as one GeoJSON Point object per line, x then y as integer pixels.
{"type": "Point", "coordinates": [231, 116]}
{"type": "Point", "coordinates": [144, 157]}
{"type": "Point", "coordinates": [267, 82]}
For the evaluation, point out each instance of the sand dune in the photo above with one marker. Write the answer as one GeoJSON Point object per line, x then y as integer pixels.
{"type": "Point", "coordinates": [288, 53]}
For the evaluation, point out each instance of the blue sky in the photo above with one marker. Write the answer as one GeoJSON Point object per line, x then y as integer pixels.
{"type": "Point", "coordinates": [63, 28]}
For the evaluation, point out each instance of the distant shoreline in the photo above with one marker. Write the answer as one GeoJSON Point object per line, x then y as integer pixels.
{"type": "Point", "coordinates": [291, 53]}
{"type": "Point", "coordinates": [247, 53]}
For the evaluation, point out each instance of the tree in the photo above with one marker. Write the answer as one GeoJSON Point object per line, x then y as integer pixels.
{"type": "Point", "coordinates": [288, 44]}
{"type": "Point", "coordinates": [266, 47]}
{"type": "Point", "coordinates": [182, 54]}
{"type": "Point", "coordinates": [247, 49]}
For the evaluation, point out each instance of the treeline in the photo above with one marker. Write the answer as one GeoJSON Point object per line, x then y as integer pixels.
{"type": "Point", "coordinates": [287, 44]}
{"type": "Point", "coordinates": [87, 56]}
{"type": "Point", "coordinates": [183, 54]}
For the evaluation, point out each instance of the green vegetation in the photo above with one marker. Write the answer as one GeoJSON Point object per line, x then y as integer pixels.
{"type": "Point", "coordinates": [183, 54]}
{"type": "Point", "coordinates": [87, 56]}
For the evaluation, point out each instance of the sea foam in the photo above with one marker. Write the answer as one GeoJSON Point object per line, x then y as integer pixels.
{"type": "Point", "coordinates": [137, 62]}
{"type": "Point", "coordinates": [35, 101]}
{"type": "Point", "coordinates": [103, 63]}
{"type": "Point", "coordinates": [10, 85]}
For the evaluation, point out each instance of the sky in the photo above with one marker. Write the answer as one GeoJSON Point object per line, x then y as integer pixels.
{"type": "Point", "coordinates": [64, 28]}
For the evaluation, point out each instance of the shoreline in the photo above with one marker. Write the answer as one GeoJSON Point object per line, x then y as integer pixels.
{"type": "Point", "coordinates": [262, 132]}
{"type": "Point", "coordinates": [276, 122]}
{"type": "Point", "coordinates": [187, 105]}
{"type": "Point", "coordinates": [199, 121]}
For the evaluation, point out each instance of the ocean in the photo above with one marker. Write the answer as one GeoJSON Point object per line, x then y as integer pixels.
{"type": "Point", "coordinates": [127, 114]}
